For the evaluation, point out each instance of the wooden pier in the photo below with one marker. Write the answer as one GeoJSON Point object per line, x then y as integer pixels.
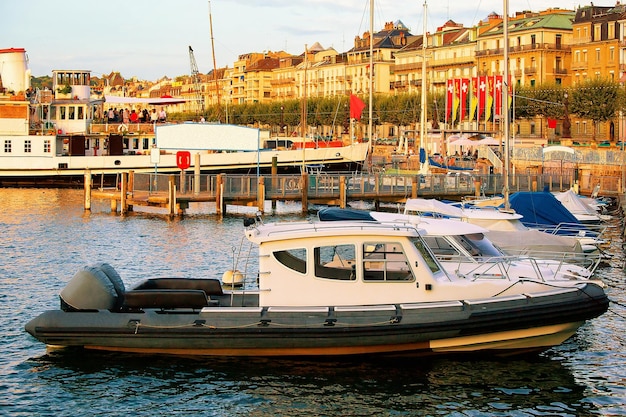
{"type": "Point", "coordinates": [175, 192]}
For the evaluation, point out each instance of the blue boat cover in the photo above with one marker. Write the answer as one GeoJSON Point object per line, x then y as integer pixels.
{"type": "Point", "coordinates": [434, 163]}
{"type": "Point", "coordinates": [331, 214]}
{"type": "Point", "coordinates": [540, 208]}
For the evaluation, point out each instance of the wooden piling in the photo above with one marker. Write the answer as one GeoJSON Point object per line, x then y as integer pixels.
{"type": "Point", "coordinates": [260, 195]}
{"type": "Point", "coordinates": [219, 198]}
{"type": "Point", "coordinates": [171, 194]}
{"type": "Point", "coordinates": [87, 190]}
{"type": "Point", "coordinates": [342, 192]}
{"type": "Point", "coordinates": [123, 193]}
{"type": "Point", "coordinates": [305, 192]}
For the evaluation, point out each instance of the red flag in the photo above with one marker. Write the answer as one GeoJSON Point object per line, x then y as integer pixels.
{"type": "Point", "coordinates": [464, 89]}
{"type": "Point", "coordinates": [356, 107]}
{"type": "Point", "coordinates": [449, 98]}
{"type": "Point", "coordinates": [551, 123]}
{"type": "Point", "coordinates": [482, 95]}
{"type": "Point", "coordinates": [498, 94]}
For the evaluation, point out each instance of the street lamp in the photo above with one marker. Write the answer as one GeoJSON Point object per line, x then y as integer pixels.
{"type": "Point", "coordinates": [282, 126]}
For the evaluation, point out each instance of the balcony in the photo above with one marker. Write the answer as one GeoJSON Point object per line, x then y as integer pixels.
{"type": "Point", "coordinates": [530, 70]}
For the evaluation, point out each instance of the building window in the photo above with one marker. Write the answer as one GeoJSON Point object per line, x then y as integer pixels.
{"type": "Point", "coordinates": [611, 53]}
{"type": "Point", "coordinates": [46, 146]}
{"type": "Point", "coordinates": [27, 146]}
{"type": "Point", "coordinates": [7, 146]}
{"type": "Point", "coordinates": [597, 54]}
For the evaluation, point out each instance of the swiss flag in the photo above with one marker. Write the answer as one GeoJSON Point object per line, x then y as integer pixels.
{"type": "Point", "coordinates": [356, 107]}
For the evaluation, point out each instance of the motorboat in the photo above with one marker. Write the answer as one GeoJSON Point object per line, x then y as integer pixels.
{"type": "Point", "coordinates": [584, 209]}
{"type": "Point", "coordinates": [465, 248]}
{"type": "Point", "coordinates": [509, 230]}
{"type": "Point", "coordinates": [322, 288]}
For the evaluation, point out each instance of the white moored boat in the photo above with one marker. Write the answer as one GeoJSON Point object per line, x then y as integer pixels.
{"type": "Point", "coordinates": [324, 288]}
{"type": "Point", "coordinates": [50, 136]}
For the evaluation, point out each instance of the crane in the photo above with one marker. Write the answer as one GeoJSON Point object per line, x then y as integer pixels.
{"type": "Point", "coordinates": [195, 77]}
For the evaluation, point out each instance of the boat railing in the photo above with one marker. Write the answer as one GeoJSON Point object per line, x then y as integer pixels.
{"type": "Point", "coordinates": [500, 267]}
{"type": "Point", "coordinates": [593, 231]}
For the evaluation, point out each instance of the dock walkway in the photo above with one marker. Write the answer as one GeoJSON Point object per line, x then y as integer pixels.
{"type": "Point", "coordinates": [176, 192]}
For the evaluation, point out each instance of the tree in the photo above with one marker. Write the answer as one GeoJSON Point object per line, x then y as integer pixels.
{"type": "Point", "coordinates": [597, 100]}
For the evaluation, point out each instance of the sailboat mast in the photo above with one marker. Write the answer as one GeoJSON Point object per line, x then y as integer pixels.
{"type": "Point", "coordinates": [304, 108]}
{"type": "Point", "coordinates": [423, 98]}
{"type": "Point", "coordinates": [217, 87]}
{"type": "Point", "coordinates": [371, 80]}
{"type": "Point", "coordinates": [505, 104]}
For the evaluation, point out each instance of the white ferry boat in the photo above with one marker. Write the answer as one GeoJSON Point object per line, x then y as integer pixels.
{"type": "Point", "coordinates": [49, 136]}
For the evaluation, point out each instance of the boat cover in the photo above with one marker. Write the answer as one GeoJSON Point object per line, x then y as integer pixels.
{"type": "Point", "coordinates": [330, 214]}
{"type": "Point", "coordinates": [574, 203]}
{"type": "Point", "coordinates": [540, 208]}
{"type": "Point", "coordinates": [432, 162]}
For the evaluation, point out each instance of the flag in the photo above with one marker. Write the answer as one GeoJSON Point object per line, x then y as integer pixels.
{"type": "Point", "coordinates": [356, 107]}
{"type": "Point", "coordinates": [551, 123]}
{"type": "Point", "coordinates": [457, 99]}
{"type": "Point", "coordinates": [473, 98]}
{"type": "Point", "coordinates": [498, 94]}
{"type": "Point", "coordinates": [489, 95]}
{"type": "Point", "coordinates": [449, 98]}
{"type": "Point", "coordinates": [463, 94]}
{"type": "Point", "coordinates": [482, 96]}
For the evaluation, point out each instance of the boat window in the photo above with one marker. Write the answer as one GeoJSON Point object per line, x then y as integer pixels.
{"type": "Point", "coordinates": [426, 254]}
{"type": "Point", "coordinates": [385, 261]}
{"type": "Point", "coordinates": [72, 113]}
{"type": "Point", "coordinates": [80, 113]}
{"type": "Point", "coordinates": [293, 259]}
{"type": "Point", "coordinates": [62, 111]}
{"type": "Point", "coordinates": [335, 262]}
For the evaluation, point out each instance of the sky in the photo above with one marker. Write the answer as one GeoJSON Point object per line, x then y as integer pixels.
{"type": "Point", "coordinates": [149, 39]}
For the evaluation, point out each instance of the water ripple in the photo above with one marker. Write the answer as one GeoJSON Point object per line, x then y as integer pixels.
{"type": "Point", "coordinates": [47, 237]}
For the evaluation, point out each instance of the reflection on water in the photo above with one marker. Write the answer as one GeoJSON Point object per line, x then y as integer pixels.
{"type": "Point", "coordinates": [367, 387]}
{"type": "Point", "coordinates": [47, 237]}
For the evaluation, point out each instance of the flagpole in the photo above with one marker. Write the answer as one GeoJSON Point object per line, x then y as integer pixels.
{"type": "Point", "coordinates": [505, 99]}
{"type": "Point", "coordinates": [371, 81]}
{"type": "Point", "coordinates": [423, 164]}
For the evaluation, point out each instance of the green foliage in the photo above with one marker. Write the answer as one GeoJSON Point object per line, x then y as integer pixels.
{"type": "Point", "coordinates": [597, 100]}
{"type": "Point", "coordinates": [41, 82]}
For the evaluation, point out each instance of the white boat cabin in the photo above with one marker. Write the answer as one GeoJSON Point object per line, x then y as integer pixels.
{"type": "Point", "coordinates": [342, 263]}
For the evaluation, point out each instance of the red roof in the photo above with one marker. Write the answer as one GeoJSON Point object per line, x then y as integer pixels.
{"type": "Point", "coordinates": [12, 50]}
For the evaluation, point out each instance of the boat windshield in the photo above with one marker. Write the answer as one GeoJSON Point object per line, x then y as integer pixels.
{"type": "Point", "coordinates": [477, 245]}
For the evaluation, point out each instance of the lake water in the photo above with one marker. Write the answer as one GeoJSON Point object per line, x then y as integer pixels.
{"type": "Point", "coordinates": [47, 237]}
